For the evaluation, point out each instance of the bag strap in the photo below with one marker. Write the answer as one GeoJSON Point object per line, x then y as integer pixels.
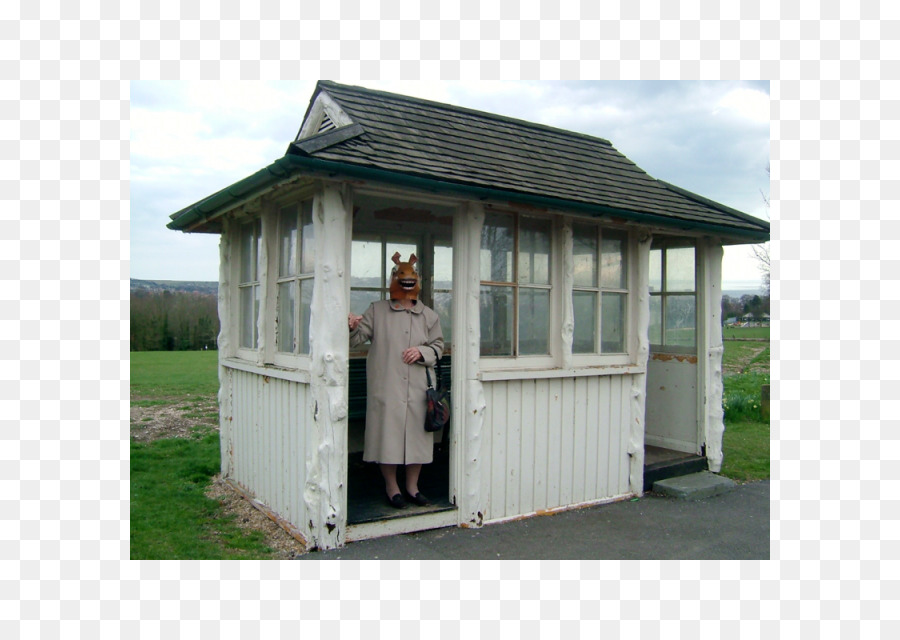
{"type": "Point", "coordinates": [437, 368]}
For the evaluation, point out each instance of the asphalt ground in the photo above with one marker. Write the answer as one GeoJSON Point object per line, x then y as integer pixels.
{"type": "Point", "coordinates": [730, 526]}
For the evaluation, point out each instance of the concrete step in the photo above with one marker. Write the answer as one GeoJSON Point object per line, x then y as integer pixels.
{"type": "Point", "coordinates": [694, 486]}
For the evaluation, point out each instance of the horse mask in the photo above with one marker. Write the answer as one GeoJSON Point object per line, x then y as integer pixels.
{"type": "Point", "coordinates": [405, 283]}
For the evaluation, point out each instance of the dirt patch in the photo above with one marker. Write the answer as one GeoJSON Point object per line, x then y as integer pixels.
{"type": "Point", "coordinates": [152, 419]}
{"type": "Point", "coordinates": [249, 518]}
{"type": "Point", "coordinates": [744, 363]}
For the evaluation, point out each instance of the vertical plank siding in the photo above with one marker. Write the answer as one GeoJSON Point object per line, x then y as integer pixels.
{"type": "Point", "coordinates": [554, 442]}
{"type": "Point", "coordinates": [269, 457]}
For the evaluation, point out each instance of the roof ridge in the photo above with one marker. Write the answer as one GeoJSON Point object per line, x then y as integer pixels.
{"type": "Point", "coordinates": [443, 106]}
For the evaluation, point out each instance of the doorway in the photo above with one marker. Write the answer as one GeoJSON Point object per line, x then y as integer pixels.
{"type": "Point", "coordinates": [382, 226]}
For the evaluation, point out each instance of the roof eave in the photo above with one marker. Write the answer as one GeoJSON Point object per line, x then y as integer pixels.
{"type": "Point", "coordinates": [208, 209]}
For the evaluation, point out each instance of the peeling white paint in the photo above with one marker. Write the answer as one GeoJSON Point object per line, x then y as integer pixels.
{"type": "Point", "coordinates": [325, 493]}
{"type": "Point", "coordinates": [713, 415]}
{"type": "Point", "coordinates": [472, 508]}
{"type": "Point", "coordinates": [225, 349]}
{"type": "Point", "coordinates": [639, 382]}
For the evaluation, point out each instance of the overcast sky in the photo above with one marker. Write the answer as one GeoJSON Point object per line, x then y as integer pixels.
{"type": "Point", "coordinates": [189, 140]}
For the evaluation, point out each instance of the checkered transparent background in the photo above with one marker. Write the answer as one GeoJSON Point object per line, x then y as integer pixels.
{"type": "Point", "coordinates": [64, 255]}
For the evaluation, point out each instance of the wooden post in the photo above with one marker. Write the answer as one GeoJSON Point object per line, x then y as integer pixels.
{"type": "Point", "coordinates": [639, 381]}
{"type": "Point", "coordinates": [326, 492]}
{"type": "Point", "coordinates": [469, 409]}
{"type": "Point", "coordinates": [710, 324]}
{"type": "Point", "coordinates": [225, 348]}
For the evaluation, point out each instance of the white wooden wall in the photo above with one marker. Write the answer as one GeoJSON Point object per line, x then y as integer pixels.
{"type": "Point", "coordinates": [268, 441]}
{"type": "Point", "coordinates": [672, 403]}
{"type": "Point", "coordinates": [554, 442]}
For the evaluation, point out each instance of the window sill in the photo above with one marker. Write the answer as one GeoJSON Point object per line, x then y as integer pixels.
{"type": "Point", "coordinates": [273, 371]}
{"type": "Point", "coordinates": [579, 372]}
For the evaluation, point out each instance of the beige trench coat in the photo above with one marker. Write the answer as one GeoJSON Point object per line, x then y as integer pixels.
{"type": "Point", "coordinates": [395, 410]}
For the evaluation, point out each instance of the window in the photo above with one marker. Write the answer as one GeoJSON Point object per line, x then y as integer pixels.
{"type": "Point", "coordinates": [296, 267]}
{"type": "Point", "coordinates": [371, 266]}
{"type": "Point", "coordinates": [673, 295]}
{"type": "Point", "coordinates": [248, 286]}
{"type": "Point", "coordinates": [442, 278]}
{"type": "Point", "coordinates": [600, 290]}
{"type": "Point", "coordinates": [515, 285]}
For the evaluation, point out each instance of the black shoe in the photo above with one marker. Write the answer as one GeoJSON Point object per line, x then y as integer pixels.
{"type": "Point", "coordinates": [397, 501]}
{"type": "Point", "coordinates": [419, 499]}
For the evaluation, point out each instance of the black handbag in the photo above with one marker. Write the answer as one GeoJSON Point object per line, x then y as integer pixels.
{"type": "Point", "coordinates": [437, 409]}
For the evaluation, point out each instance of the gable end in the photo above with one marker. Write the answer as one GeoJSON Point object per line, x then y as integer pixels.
{"type": "Point", "coordinates": [325, 115]}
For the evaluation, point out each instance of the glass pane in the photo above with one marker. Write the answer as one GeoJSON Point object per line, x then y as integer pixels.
{"type": "Point", "coordinates": [404, 248]}
{"type": "Point", "coordinates": [612, 261]}
{"type": "Point", "coordinates": [306, 291]}
{"type": "Point", "coordinates": [680, 269]}
{"type": "Point", "coordinates": [612, 323]}
{"type": "Point", "coordinates": [249, 248]}
{"type": "Point", "coordinates": [287, 261]}
{"type": "Point", "coordinates": [655, 270]}
{"type": "Point", "coordinates": [308, 238]}
{"type": "Point", "coordinates": [249, 313]}
{"type": "Point", "coordinates": [585, 308]}
{"type": "Point", "coordinates": [655, 319]}
{"type": "Point", "coordinates": [584, 248]}
{"type": "Point", "coordinates": [680, 321]}
{"type": "Point", "coordinates": [497, 244]}
{"type": "Point", "coordinates": [365, 264]}
{"type": "Point", "coordinates": [534, 322]}
{"type": "Point", "coordinates": [285, 327]}
{"type": "Point", "coordinates": [443, 267]}
{"type": "Point", "coordinates": [497, 315]}
{"type": "Point", "coordinates": [534, 251]}
{"type": "Point", "coordinates": [443, 305]}
{"type": "Point", "coordinates": [360, 300]}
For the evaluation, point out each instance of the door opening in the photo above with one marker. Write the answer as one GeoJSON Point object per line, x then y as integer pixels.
{"type": "Point", "coordinates": [382, 226]}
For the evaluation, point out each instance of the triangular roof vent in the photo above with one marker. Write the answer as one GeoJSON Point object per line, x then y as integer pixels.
{"type": "Point", "coordinates": [324, 115]}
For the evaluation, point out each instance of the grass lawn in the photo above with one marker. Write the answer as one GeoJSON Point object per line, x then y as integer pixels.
{"type": "Point", "coordinates": [171, 517]}
{"type": "Point", "coordinates": [158, 374]}
{"type": "Point", "coordinates": [757, 333]}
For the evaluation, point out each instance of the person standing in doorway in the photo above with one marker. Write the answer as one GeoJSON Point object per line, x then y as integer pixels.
{"type": "Point", "coordinates": [406, 338]}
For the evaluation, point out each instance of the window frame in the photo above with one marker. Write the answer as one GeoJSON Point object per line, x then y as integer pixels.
{"type": "Point", "coordinates": [599, 357]}
{"type": "Point", "coordinates": [253, 225]}
{"type": "Point", "coordinates": [296, 358]}
{"type": "Point", "coordinates": [516, 360]}
{"type": "Point", "coordinates": [664, 244]}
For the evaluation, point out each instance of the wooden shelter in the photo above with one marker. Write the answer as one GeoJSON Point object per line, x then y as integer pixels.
{"type": "Point", "coordinates": [580, 300]}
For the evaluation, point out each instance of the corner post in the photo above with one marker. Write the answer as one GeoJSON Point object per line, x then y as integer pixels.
{"type": "Point", "coordinates": [468, 407]}
{"type": "Point", "coordinates": [326, 492]}
{"type": "Point", "coordinates": [225, 347]}
{"type": "Point", "coordinates": [712, 424]}
{"type": "Point", "coordinates": [642, 355]}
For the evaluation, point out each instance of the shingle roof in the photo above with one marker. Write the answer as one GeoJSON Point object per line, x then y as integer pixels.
{"type": "Point", "coordinates": [430, 145]}
{"type": "Point", "coordinates": [443, 142]}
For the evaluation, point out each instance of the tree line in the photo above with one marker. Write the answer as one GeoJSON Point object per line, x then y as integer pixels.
{"type": "Point", "coordinates": [737, 307]}
{"type": "Point", "coordinates": [173, 321]}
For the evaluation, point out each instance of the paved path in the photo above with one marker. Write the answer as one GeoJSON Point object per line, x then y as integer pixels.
{"type": "Point", "coordinates": [734, 525]}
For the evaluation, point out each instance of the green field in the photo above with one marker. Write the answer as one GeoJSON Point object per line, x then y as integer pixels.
{"type": "Point", "coordinates": [745, 333]}
{"type": "Point", "coordinates": [171, 517]}
{"type": "Point", "coordinates": [159, 374]}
